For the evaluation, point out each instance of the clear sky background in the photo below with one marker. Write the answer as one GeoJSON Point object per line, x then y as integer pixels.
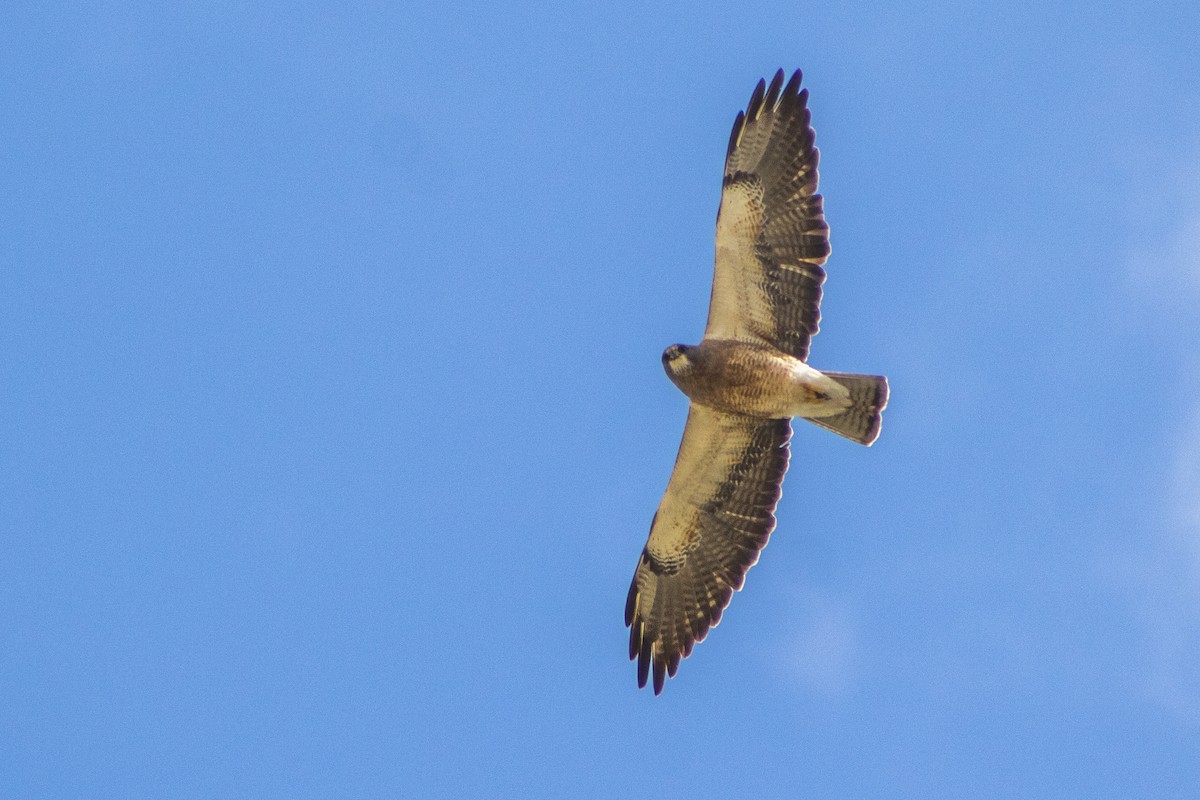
{"type": "Point", "coordinates": [332, 419]}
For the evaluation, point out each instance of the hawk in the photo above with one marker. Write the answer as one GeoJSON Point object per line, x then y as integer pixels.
{"type": "Point", "coordinates": [745, 381]}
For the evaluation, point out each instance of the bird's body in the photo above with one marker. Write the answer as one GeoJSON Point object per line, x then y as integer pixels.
{"type": "Point", "coordinates": [753, 379]}
{"type": "Point", "coordinates": [746, 379]}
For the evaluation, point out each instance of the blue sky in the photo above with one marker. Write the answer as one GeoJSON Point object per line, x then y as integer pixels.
{"type": "Point", "coordinates": [333, 418]}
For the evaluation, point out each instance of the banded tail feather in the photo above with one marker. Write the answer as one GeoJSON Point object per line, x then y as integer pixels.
{"type": "Point", "coordinates": [868, 398]}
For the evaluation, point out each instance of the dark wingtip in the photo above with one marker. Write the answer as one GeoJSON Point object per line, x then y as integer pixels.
{"type": "Point", "coordinates": [773, 92]}
{"type": "Point", "coordinates": [660, 675]}
{"type": "Point", "coordinates": [793, 86]}
{"type": "Point", "coordinates": [643, 666]}
{"type": "Point", "coordinates": [736, 132]}
{"type": "Point", "coordinates": [752, 108]}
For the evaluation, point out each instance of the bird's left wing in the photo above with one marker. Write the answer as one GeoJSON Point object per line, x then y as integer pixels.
{"type": "Point", "coordinates": [771, 233]}
{"type": "Point", "coordinates": [716, 515]}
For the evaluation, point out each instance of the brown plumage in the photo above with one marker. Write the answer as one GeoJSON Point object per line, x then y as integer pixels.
{"type": "Point", "coordinates": [745, 380]}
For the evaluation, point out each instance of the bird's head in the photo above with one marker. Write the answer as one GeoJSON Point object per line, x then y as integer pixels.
{"type": "Point", "coordinates": [676, 360]}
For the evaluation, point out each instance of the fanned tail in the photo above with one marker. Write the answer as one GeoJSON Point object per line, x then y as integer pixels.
{"type": "Point", "coordinates": [862, 420]}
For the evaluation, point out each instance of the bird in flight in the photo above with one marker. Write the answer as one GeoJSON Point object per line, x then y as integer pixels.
{"type": "Point", "coordinates": [745, 381]}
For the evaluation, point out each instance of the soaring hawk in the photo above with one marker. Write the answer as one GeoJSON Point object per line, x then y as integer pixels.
{"type": "Point", "coordinates": [746, 379]}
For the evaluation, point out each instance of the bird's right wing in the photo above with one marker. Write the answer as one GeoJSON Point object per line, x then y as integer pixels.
{"type": "Point", "coordinates": [716, 515]}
